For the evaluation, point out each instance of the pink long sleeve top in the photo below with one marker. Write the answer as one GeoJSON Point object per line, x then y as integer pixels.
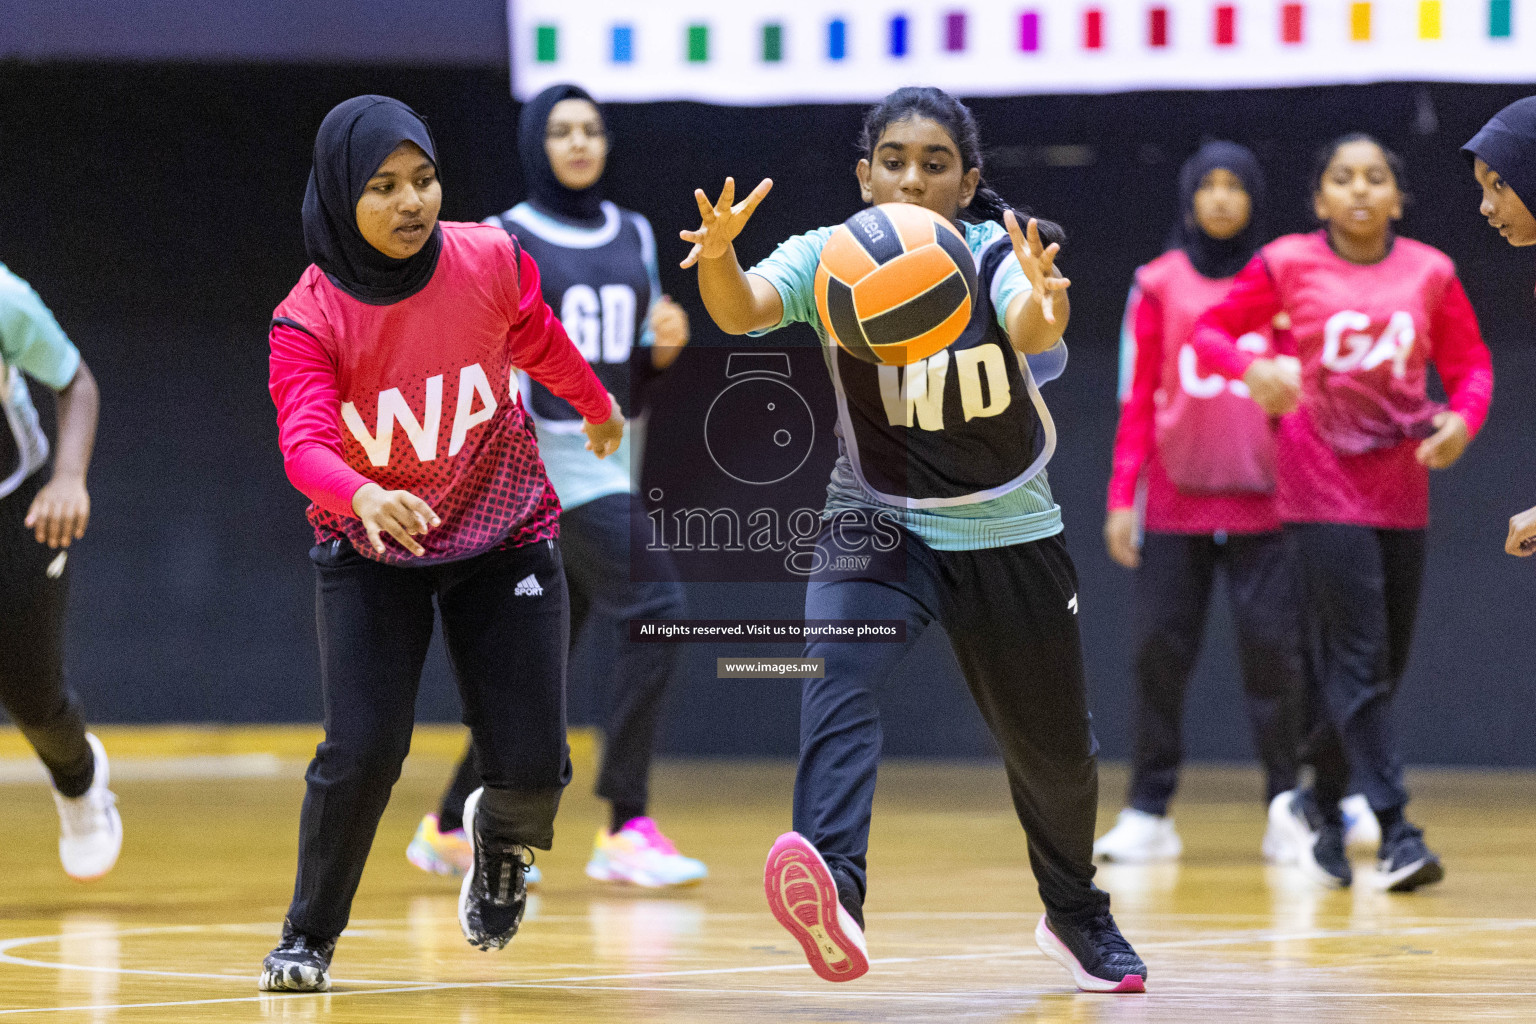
{"type": "Point", "coordinates": [421, 395]}
{"type": "Point", "coordinates": [1365, 335]}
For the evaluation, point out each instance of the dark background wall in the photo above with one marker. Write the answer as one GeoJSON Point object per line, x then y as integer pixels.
{"type": "Point", "coordinates": [155, 207]}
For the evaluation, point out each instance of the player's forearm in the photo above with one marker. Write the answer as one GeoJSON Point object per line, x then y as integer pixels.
{"type": "Point", "coordinates": [1028, 329]}
{"type": "Point", "coordinates": [729, 296]}
{"type": "Point", "coordinates": [79, 405]}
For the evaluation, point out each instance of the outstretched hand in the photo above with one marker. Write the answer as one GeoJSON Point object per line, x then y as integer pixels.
{"type": "Point", "coordinates": [721, 223]}
{"type": "Point", "coordinates": [1039, 263]}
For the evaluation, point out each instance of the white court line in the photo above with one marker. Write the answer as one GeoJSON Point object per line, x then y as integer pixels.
{"type": "Point", "coordinates": [583, 982]}
{"type": "Point", "coordinates": [16, 770]}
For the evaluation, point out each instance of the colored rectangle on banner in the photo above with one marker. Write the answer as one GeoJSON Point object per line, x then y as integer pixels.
{"type": "Point", "coordinates": [1157, 27]}
{"type": "Point", "coordinates": [1029, 32]}
{"type": "Point", "coordinates": [546, 44]}
{"type": "Point", "coordinates": [898, 46]}
{"type": "Point", "coordinates": [1429, 19]}
{"type": "Point", "coordinates": [1226, 25]}
{"type": "Point", "coordinates": [1500, 19]}
{"type": "Point", "coordinates": [698, 43]}
{"type": "Point", "coordinates": [1093, 29]}
{"type": "Point", "coordinates": [773, 43]}
{"type": "Point", "coordinates": [623, 44]}
{"type": "Point", "coordinates": [1360, 22]}
{"type": "Point", "coordinates": [837, 39]}
{"type": "Point", "coordinates": [954, 31]}
{"type": "Point", "coordinates": [1292, 22]}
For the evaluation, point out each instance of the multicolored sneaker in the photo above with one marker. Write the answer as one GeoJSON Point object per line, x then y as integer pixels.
{"type": "Point", "coordinates": [494, 893]}
{"type": "Point", "coordinates": [448, 853]}
{"type": "Point", "coordinates": [804, 899]}
{"type": "Point", "coordinates": [298, 964]}
{"type": "Point", "coordinates": [640, 854]}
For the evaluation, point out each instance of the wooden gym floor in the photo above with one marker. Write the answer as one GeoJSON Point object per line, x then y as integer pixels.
{"type": "Point", "coordinates": [177, 932]}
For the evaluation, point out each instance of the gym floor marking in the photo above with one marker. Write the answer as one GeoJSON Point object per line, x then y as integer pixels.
{"type": "Point", "coordinates": [1189, 986]}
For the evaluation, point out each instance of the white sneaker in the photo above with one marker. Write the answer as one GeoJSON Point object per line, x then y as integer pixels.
{"type": "Point", "coordinates": [1139, 838]}
{"type": "Point", "coordinates": [1360, 825]}
{"type": "Point", "coordinates": [1288, 835]}
{"type": "Point", "coordinates": [90, 831]}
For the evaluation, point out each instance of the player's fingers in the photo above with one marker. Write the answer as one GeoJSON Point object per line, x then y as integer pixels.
{"type": "Point", "coordinates": [706, 208]}
{"type": "Point", "coordinates": [1058, 284]}
{"type": "Point", "coordinates": [422, 511]}
{"type": "Point", "coordinates": [1048, 257]}
{"type": "Point", "coordinates": [1032, 233]}
{"type": "Point", "coordinates": [82, 520]}
{"type": "Point", "coordinates": [373, 535]}
{"type": "Point", "coordinates": [1048, 307]}
{"type": "Point", "coordinates": [727, 196]}
{"type": "Point", "coordinates": [402, 534]}
{"type": "Point", "coordinates": [692, 257]}
{"type": "Point", "coordinates": [749, 205]}
{"type": "Point", "coordinates": [1011, 222]}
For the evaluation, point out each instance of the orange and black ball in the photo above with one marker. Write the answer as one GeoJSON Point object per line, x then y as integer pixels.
{"type": "Point", "coordinates": [896, 284]}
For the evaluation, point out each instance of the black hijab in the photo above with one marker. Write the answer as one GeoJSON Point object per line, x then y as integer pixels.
{"type": "Point", "coordinates": [1508, 145]}
{"type": "Point", "coordinates": [1212, 257]}
{"type": "Point", "coordinates": [584, 206]}
{"type": "Point", "coordinates": [354, 139]}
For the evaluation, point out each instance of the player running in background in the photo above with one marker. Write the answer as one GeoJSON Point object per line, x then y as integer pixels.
{"type": "Point", "coordinates": [40, 515]}
{"type": "Point", "coordinates": [980, 551]}
{"type": "Point", "coordinates": [1205, 455]}
{"type": "Point", "coordinates": [1370, 311]}
{"type": "Point", "coordinates": [390, 368]}
{"type": "Point", "coordinates": [597, 267]}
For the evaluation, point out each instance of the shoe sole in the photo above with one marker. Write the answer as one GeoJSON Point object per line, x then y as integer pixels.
{"type": "Point", "coordinates": [1164, 855]}
{"type": "Point", "coordinates": [279, 981]}
{"type": "Point", "coordinates": [622, 878]}
{"type": "Point", "coordinates": [1057, 950]}
{"type": "Point", "coordinates": [803, 898]}
{"type": "Point", "coordinates": [471, 806]}
{"type": "Point", "coordinates": [1406, 879]}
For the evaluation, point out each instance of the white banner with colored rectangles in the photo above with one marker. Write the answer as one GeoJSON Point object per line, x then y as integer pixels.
{"type": "Point", "coordinates": [792, 51]}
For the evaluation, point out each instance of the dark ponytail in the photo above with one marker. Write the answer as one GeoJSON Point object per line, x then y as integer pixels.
{"type": "Point", "coordinates": [956, 119]}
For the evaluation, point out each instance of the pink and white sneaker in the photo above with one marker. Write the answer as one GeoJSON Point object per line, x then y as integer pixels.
{"type": "Point", "coordinates": [638, 853]}
{"type": "Point", "coordinates": [803, 897]}
{"type": "Point", "coordinates": [1093, 951]}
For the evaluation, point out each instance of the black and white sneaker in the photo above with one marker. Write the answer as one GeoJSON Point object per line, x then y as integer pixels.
{"type": "Point", "coordinates": [298, 964]}
{"type": "Point", "coordinates": [1092, 949]}
{"type": "Point", "coordinates": [1323, 859]}
{"type": "Point", "coordinates": [495, 889]}
{"type": "Point", "coordinates": [1405, 862]}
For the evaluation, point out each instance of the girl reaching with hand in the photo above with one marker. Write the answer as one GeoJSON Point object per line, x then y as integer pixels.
{"type": "Point", "coordinates": [980, 549]}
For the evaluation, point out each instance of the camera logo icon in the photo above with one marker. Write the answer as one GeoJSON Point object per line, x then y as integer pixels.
{"type": "Point", "coordinates": [759, 430]}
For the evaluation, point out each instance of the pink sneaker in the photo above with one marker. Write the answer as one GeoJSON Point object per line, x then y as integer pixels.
{"type": "Point", "coordinates": [803, 897]}
{"type": "Point", "coordinates": [638, 853]}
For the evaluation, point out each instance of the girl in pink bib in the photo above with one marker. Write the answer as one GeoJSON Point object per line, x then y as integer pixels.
{"type": "Point", "coordinates": [1201, 454]}
{"type": "Point", "coordinates": [1369, 312]}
